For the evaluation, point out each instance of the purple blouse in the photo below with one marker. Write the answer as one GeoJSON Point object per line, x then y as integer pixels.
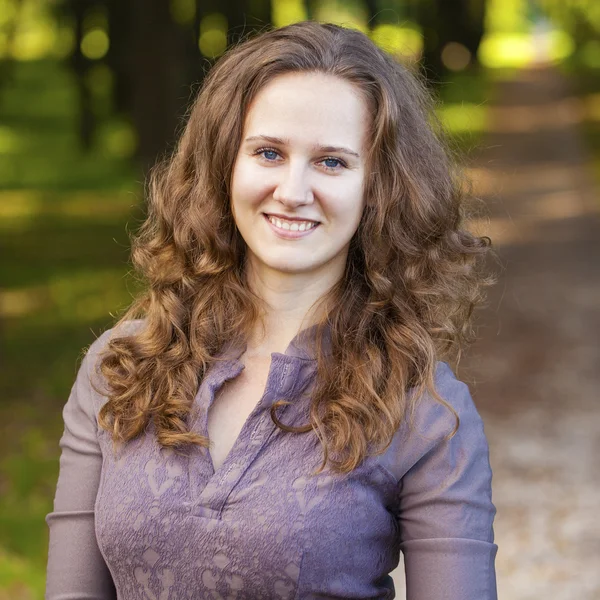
{"type": "Point", "coordinates": [150, 524]}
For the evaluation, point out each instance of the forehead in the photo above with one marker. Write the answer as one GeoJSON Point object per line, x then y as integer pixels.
{"type": "Point", "coordinates": [316, 107]}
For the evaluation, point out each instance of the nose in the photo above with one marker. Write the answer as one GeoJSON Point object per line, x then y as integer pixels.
{"type": "Point", "coordinates": [293, 187]}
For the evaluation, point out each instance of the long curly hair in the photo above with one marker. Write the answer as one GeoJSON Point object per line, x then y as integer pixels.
{"type": "Point", "coordinates": [411, 281]}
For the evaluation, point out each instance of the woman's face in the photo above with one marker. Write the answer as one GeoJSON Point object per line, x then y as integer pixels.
{"type": "Point", "coordinates": [297, 184]}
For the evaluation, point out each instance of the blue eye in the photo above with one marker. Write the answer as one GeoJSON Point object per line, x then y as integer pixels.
{"type": "Point", "coordinates": [333, 163]}
{"type": "Point", "coordinates": [269, 154]}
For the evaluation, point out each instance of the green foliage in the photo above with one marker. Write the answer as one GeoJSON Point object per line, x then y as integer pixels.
{"type": "Point", "coordinates": [462, 109]}
{"type": "Point", "coordinates": [286, 12]}
{"type": "Point", "coordinates": [213, 35]}
{"type": "Point", "coordinates": [573, 14]}
{"type": "Point", "coordinates": [507, 16]}
{"type": "Point", "coordinates": [27, 479]}
{"type": "Point", "coordinates": [30, 31]}
{"type": "Point", "coordinates": [64, 250]}
{"type": "Point", "coordinates": [39, 144]}
{"type": "Point", "coordinates": [183, 11]}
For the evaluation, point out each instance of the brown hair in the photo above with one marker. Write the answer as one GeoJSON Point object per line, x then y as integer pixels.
{"type": "Point", "coordinates": [411, 278]}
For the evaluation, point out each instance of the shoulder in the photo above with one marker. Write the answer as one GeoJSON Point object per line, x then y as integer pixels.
{"type": "Point", "coordinates": [89, 391]}
{"type": "Point", "coordinates": [433, 424]}
{"type": "Point", "coordinates": [90, 365]}
{"type": "Point", "coordinates": [432, 416]}
{"type": "Point", "coordinates": [100, 344]}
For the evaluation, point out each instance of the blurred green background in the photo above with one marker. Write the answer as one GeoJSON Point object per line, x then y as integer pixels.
{"type": "Point", "coordinates": [92, 91]}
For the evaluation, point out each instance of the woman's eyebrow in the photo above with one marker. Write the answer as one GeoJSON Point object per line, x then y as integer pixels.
{"type": "Point", "coordinates": [282, 142]}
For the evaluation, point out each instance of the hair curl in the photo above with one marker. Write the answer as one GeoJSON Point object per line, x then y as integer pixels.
{"type": "Point", "coordinates": [411, 281]}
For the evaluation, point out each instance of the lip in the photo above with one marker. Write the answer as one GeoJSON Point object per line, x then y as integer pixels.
{"type": "Point", "coordinates": [286, 218]}
{"type": "Point", "coordinates": [288, 234]}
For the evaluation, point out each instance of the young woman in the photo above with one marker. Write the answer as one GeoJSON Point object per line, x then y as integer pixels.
{"type": "Point", "coordinates": [271, 419]}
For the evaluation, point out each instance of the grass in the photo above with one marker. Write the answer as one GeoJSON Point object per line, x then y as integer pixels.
{"type": "Point", "coordinates": [64, 246]}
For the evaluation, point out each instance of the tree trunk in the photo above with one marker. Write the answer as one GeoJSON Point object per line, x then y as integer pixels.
{"type": "Point", "coordinates": [158, 77]}
{"type": "Point", "coordinates": [445, 21]}
{"type": "Point", "coordinates": [119, 58]}
{"type": "Point", "coordinates": [81, 66]}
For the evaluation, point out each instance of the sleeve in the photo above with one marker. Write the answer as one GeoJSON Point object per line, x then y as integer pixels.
{"type": "Point", "coordinates": [446, 512]}
{"type": "Point", "coordinates": [76, 568]}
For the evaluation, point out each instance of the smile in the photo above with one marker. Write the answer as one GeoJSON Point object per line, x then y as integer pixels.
{"type": "Point", "coordinates": [288, 229]}
{"type": "Point", "coordinates": [285, 225]}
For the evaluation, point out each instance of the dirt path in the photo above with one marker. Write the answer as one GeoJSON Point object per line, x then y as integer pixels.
{"type": "Point", "coordinates": [535, 374]}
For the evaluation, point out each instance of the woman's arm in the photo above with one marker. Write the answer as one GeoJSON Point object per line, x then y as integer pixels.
{"type": "Point", "coordinates": [76, 568]}
{"type": "Point", "coordinates": [446, 511]}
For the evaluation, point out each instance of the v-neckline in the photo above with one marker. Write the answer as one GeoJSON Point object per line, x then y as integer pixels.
{"type": "Point", "coordinates": [300, 347]}
{"type": "Point", "coordinates": [215, 392]}
{"type": "Point", "coordinates": [211, 487]}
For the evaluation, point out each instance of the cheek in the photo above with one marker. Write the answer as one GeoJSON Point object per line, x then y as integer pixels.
{"type": "Point", "coordinates": [249, 187]}
{"type": "Point", "coordinates": [347, 204]}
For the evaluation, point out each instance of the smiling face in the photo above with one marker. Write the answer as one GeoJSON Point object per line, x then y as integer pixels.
{"type": "Point", "coordinates": [297, 184]}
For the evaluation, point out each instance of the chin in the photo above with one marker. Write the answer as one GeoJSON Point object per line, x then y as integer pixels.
{"type": "Point", "coordinates": [291, 269]}
{"type": "Point", "coordinates": [286, 266]}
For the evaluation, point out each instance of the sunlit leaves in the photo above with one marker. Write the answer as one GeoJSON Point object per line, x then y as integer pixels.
{"type": "Point", "coordinates": [94, 44]}
{"type": "Point", "coordinates": [183, 12]}
{"type": "Point", "coordinates": [350, 13]}
{"type": "Point", "coordinates": [403, 41]}
{"type": "Point", "coordinates": [213, 35]}
{"type": "Point", "coordinates": [286, 12]}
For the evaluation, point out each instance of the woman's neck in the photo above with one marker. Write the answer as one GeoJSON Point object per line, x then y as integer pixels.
{"type": "Point", "coordinates": [289, 300]}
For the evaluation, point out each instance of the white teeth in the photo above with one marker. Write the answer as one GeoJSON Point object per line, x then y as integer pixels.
{"type": "Point", "coordinates": [292, 226]}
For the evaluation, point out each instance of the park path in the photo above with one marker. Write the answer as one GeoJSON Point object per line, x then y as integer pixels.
{"type": "Point", "coordinates": [535, 371]}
